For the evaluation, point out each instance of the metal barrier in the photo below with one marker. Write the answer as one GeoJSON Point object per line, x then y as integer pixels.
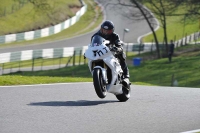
{"type": "Point", "coordinates": [35, 60]}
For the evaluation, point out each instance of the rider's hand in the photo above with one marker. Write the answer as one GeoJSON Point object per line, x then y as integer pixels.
{"type": "Point", "coordinates": [117, 50]}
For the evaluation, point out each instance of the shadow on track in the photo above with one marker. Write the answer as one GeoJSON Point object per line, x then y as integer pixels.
{"type": "Point", "coordinates": [71, 103]}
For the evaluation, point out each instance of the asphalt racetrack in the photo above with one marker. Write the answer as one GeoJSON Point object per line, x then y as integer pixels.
{"type": "Point", "coordinates": [75, 108]}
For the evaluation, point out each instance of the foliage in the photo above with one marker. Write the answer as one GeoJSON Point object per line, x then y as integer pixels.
{"type": "Point", "coordinates": [162, 9]}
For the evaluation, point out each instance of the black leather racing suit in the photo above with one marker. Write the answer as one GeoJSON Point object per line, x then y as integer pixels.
{"type": "Point", "coordinates": [115, 40]}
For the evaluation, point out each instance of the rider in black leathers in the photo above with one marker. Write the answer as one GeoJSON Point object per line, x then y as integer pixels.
{"type": "Point", "coordinates": [107, 32]}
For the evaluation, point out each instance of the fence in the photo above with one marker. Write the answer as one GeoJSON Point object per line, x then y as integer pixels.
{"type": "Point", "coordinates": [56, 53]}
{"type": "Point", "coordinates": [192, 38]}
{"type": "Point", "coordinates": [72, 54]}
{"type": "Point", "coordinates": [43, 59]}
{"type": "Point", "coordinates": [59, 53]}
{"type": "Point", "coordinates": [188, 39]}
{"type": "Point", "coordinates": [151, 46]}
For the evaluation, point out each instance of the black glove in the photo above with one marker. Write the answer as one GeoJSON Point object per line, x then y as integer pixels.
{"type": "Point", "coordinates": [117, 49]}
{"type": "Point", "coordinates": [119, 43]}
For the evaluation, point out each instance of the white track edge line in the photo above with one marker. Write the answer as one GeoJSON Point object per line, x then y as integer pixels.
{"type": "Point", "coordinates": [192, 131]}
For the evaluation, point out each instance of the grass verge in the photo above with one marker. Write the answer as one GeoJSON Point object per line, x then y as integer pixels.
{"type": "Point", "coordinates": [28, 16]}
{"type": "Point", "coordinates": [69, 74]}
{"type": "Point", "coordinates": [43, 62]}
{"type": "Point", "coordinates": [88, 22]}
{"type": "Point", "coordinates": [176, 29]}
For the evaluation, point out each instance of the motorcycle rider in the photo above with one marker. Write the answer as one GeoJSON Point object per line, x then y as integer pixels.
{"type": "Point", "coordinates": [107, 32]}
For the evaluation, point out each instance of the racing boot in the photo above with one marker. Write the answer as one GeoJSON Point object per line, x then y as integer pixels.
{"type": "Point", "coordinates": [125, 72]}
{"type": "Point", "coordinates": [126, 75]}
{"type": "Point", "coordinates": [125, 81]}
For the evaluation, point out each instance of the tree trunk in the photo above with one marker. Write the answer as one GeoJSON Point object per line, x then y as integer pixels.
{"type": "Point", "coordinates": [151, 27]}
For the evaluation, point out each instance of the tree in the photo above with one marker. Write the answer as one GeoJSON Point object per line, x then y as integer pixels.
{"type": "Point", "coordinates": [161, 9]}
{"type": "Point", "coordinates": [192, 7]}
{"type": "Point", "coordinates": [141, 14]}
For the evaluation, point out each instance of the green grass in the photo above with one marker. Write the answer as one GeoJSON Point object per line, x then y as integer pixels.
{"type": "Point", "coordinates": [160, 72]}
{"type": "Point", "coordinates": [10, 6]}
{"type": "Point", "coordinates": [28, 80]}
{"type": "Point", "coordinates": [88, 22]}
{"type": "Point", "coordinates": [184, 68]}
{"type": "Point", "coordinates": [7, 3]}
{"type": "Point", "coordinates": [69, 74]}
{"type": "Point", "coordinates": [176, 29]}
{"type": "Point", "coordinates": [29, 17]}
{"type": "Point", "coordinates": [43, 62]}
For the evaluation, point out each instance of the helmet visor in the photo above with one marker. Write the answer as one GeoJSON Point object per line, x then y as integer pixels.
{"type": "Point", "coordinates": [106, 32]}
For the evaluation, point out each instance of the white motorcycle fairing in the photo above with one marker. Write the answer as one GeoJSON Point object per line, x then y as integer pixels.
{"type": "Point", "coordinates": [102, 52]}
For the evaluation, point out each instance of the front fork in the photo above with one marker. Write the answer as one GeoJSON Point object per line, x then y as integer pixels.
{"type": "Point", "coordinates": [94, 65]}
{"type": "Point", "coordinates": [104, 74]}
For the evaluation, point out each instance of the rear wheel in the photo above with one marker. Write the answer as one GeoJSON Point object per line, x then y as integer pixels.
{"type": "Point", "coordinates": [99, 85]}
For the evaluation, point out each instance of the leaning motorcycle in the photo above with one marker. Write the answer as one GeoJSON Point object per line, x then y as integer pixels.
{"type": "Point", "coordinates": [106, 70]}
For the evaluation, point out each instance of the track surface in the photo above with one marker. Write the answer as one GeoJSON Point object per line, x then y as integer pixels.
{"type": "Point", "coordinates": [75, 108]}
{"type": "Point", "coordinates": [114, 14]}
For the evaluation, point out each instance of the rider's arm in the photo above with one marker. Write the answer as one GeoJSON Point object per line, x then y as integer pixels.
{"type": "Point", "coordinates": [118, 42]}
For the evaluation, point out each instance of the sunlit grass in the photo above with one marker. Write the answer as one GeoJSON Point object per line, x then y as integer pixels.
{"type": "Point", "coordinates": [29, 17]}
{"type": "Point", "coordinates": [177, 28]}
{"type": "Point", "coordinates": [184, 69]}
{"type": "Point", "coordinates": [78, 28]}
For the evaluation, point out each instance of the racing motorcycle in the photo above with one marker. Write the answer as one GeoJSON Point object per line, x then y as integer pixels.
{"type": "Point", "coordinates": [106, 70]}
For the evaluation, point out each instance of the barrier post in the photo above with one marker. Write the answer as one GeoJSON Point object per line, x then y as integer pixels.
{"type": "Point", "coordinates": [80, 54]}
{"type": "Point", "coordinates": [33, 61]}
{"type": "Point", "coordinates": [74, 57]}
{"type": "Point", "coordinates": [60, 61]}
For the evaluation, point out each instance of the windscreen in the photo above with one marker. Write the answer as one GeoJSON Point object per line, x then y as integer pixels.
{"type": "Point", "coordinates": [97, 40]}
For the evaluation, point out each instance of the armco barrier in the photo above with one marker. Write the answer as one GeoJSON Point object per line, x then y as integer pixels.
{"type": "Point", "coordinates": [30, 35]}
{"type": "Point", "coordinates": [66, 52]}
{"type": "Point", "coordinates": [42, 53]}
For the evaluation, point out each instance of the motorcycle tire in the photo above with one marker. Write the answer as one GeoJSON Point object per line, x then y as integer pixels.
{"type": "Point", "coordinates": [125, 95]}
{"type": "Point", "coordinates": [99, 85]}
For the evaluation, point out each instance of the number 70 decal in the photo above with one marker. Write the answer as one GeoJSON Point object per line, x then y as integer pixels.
{"type": "Point", "coordinates": [100, 52]}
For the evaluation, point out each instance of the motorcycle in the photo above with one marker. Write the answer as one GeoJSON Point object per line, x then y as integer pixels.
{"type": "Point", "coordinates": [106, 70]}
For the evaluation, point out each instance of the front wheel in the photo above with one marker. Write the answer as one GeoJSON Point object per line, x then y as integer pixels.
{"type": "Point", "coordinates": [99, 85]}
{"type": "Point", "coordinates": [126, 93]}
